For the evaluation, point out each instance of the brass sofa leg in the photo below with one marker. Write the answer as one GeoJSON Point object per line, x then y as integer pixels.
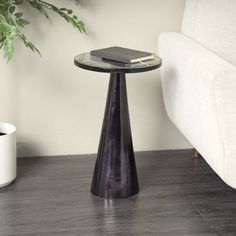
{"type": "Point", "coordinates": [196, 154]}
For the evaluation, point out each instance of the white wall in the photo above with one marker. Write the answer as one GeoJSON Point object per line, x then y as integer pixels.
{"type": "Point", "coordinates": [58, 108]}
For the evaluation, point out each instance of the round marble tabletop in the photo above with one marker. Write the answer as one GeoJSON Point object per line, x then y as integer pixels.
{"type": "Point", "coordinates": [88, 62]}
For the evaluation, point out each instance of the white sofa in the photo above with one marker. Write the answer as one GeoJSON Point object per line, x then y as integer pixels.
{"type": "Point", "coordinates": [199, 81]}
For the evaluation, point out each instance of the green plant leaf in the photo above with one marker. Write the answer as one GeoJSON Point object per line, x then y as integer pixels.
{"type": "Point", "coordinates": [19, 23]}
{"type": "Point", "coordinates": [8, 49]}
{"type": "Point", "coordinates": [18, 14]}
{"type": "Point", "coordinates": [12, 9]}
{"type": "Point", "coordinates": [23, 21]}
{"type": "Point", "coordinates": [33, 48]}
{"type": "Point", "coordinates": [2, 28]}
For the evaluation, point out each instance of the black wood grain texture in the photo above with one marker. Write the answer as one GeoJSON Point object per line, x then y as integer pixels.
{"type": "Point", "coordinates": [178, 196]}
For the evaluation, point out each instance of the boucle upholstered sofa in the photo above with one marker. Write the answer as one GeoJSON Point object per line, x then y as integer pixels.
{"type": "Point", "coordinates": [199, 81]}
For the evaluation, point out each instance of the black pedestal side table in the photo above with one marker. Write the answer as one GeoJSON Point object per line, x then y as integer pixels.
{"type": "Point", "coordinates": [115, 174]}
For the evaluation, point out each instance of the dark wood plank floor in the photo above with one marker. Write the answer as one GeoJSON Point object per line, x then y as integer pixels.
{"type": "Point", "coordinates": [179, 196]}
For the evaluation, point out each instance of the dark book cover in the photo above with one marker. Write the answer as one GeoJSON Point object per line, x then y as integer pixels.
{"type": "Point", "coordinates": [124, 55]}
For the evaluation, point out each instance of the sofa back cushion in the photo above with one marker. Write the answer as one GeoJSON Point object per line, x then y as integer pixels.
{"type": "Point", "coordinates": [213, 24]}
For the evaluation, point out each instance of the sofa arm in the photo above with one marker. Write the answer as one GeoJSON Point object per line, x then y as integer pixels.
{"type": "Point", "coordinates": [187, 63]}
{"type": "Point", "coordinates": [189, 57]}
{"type": "Point", "coordinates": [199, 90]}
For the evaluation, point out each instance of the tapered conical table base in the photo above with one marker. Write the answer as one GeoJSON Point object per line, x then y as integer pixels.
{"type": "Point", "coordinates": [115, 174]}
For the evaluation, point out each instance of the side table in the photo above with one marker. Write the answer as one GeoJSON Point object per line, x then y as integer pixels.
{"type": "Point", "coordinates": [115, 174]}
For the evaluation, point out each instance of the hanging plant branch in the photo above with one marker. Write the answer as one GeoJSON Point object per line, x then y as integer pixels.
{"type": "Point", "coordinates": [66, 13]}
{"type": "Point", "coordinates": [12, 20]}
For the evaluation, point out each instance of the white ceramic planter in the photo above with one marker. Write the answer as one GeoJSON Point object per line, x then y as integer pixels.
{"type": "Point", "coordinates": [7, 154]}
